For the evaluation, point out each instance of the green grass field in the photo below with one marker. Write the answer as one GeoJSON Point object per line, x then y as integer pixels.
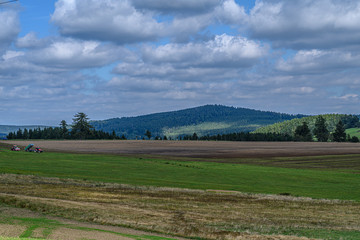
{"type": "Point", "coordinates": [353, 132]}
{"type": "Point", "coordinates": [329, 183]}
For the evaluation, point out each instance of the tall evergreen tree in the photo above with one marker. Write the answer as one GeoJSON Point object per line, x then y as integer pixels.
{"type": "Point", "coordinates": [320, 131]}
{"type": "Point", "coordinates": [64, 130]}
{"type": "Point", "coordinates": [303, 133]}
{"type": "Point", "coordinates": [339, 135]}
{"type": "Point", "coordinates": [81, 126]}
{"type": "Point", "coordinates": [26, 134]}
{"type": "Point", "coordinates": [19, 134]}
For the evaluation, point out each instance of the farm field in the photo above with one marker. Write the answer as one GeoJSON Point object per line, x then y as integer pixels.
{"type": "Point", "coordinates": [175, 193]}
{"type": "Point", "coordinates": [198, 149]}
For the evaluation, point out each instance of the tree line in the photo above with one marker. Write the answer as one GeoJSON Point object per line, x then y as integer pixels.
{"type": "Point", "coordinates": [80, 129]}
{"type": "Point", "coordinates": [321, 132]}
{"type": "Point", "coordinates": [302, 133]}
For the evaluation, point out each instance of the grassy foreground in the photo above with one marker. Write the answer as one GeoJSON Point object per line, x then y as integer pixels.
{"type": "Point", "coordinates": [174, 212]}
{"type": "Point", "coordinates": [329, 184]}
{"type": "Point", "coordinates": [43, 228]}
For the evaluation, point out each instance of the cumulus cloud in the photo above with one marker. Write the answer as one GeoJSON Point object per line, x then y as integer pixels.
{"type": "Point", "coordinates": [31, 40]}
{"type": "Point", "coordinates": [187, 67]}
{"type": "Point", "coordinates": [294, 90]}
{"type": "Point", "coordinates": [10, 27]}
{"type": "Point", "coordinates": [319, 61]}
{"type": "Point", "coordinates": [184, 7]}
{"type": "Point", "coordinates": [222, 52]}
{"type": "Point", "coordinates": [70, 53]}
{"type": "Point", "coordinates": [139, 85]}
{"type": "Point", "coordinates": [229, 12]}
{"type": "Point", "coordinates": [170, 55]}
{"type": "Point", "coordinates": [306, 24]}
{"type": "Point", "coordinates": [110, 20]}
{"type": "Point", "coordinates": [127, 22]}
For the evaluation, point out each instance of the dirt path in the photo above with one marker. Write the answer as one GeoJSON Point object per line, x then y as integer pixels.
{"type": "Point", "coordinates": [198, 149]}
{"type": "Point", "coordinates": [26, 223]}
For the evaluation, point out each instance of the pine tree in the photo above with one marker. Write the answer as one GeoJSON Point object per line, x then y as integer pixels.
{"type": "Point", "coordinates": [81, 126]}
{"type": "Point", "coordinates": [320, 131]}
{"type": "Point", "coordinates": [64, 130]}
{"type": "Point", "coordinates": [303, 133]}
{"type": "Point", "coordinates": [339, 135]}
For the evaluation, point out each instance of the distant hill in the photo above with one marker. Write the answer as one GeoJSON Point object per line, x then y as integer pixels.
{"type": "Point", "coordinates": [208, 119]}
{"type": "Point", "coordinates": [6, 129]}
{"type": "Point", "coordinates": [288, 127]}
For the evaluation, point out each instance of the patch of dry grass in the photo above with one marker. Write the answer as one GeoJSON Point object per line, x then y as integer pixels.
{"type": "Point", "coordinates": [189, 213]}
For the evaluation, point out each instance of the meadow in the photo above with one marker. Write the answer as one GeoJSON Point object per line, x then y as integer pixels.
{"type": "Point", "coordinates": [243, 198]}
{"type": "Point", "coordinates": [332, 183]}
{"type": "Point", "coordinates": [353, 132]}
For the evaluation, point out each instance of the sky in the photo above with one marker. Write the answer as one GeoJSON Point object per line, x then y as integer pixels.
{"type": "Point", "coordinates": [116, 58]}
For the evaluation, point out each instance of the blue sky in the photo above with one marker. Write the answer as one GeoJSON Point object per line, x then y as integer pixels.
{"type": "Point", "coordinates": [116, 58]}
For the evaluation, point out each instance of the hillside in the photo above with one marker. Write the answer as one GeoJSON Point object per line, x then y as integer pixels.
{"type": "Point", "coordinates": [208, 119]}
{"type": "Point", "coordinates": [288, 127]}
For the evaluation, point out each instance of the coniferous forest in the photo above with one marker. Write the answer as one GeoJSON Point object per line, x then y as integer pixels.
{"type": "Point", "coordinates": [80, 129]}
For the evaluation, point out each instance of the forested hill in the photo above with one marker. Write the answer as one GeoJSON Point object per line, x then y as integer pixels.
{"type": "Point", "coordinates": [208, 119]}
{"type": "Point", "coordinates": [288, 127]}
{"type": "Point", "coordinates": [5, 129]}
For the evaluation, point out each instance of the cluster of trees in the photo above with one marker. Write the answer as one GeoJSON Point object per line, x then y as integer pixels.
{"type": "Point", "coordinates": [302, 133]}
{"type": "Point", "coordinates": [349, 121]}
{"type": "Point", "coordinates": [80, 129]}
{"type": "Point", "coordinates": [241, 136]}
{"type": "Point", "coordinates": [321, 132]}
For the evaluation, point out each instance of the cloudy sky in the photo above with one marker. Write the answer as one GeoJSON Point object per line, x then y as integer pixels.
{"type": "Point", "coordinates": [114, 58]}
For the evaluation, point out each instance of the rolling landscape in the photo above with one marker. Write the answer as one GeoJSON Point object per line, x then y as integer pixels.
{"type": "Point", "coordinates": [188, 189]}
{"type": "Point", "coordinates": [179, 120]}
{"type": "Point", "coordinates": [204, 120]}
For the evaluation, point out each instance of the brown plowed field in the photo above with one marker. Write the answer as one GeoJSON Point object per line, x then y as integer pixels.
{"type": "Point", "coordinates": [198, 149]}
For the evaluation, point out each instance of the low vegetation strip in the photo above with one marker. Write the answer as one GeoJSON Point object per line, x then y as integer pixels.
{"type": "Point", "coordinates": [36, 227]}
{"type": "Point", "coordinates": [332, 184]}
{"type": "Point", "coordinates": [189, 213]}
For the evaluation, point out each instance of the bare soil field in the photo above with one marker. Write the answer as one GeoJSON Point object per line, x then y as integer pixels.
{"type": "Point", "coordinates": [197, 149]}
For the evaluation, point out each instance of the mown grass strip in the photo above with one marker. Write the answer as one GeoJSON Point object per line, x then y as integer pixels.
{"type": "Point", "coordinates": [194, 175]}
{"type": "Point", "coordinates": [11, 238]}
{"type": "Point", "coordinates": [49, 225]}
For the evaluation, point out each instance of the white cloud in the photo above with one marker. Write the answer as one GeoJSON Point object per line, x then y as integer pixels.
{"type": "Point", "coordinates": [306, 23]}
{"type": "Point", "coordinates": [127, 22]}
{"type": "Point", "coordinates": [229, 12]}
{"type": "Point", "coordinates": [12, 54]}
{"type": "Point", "coordinates": [30, 40]}
{"type": "Point", "coordinates": [348, 97]}
{"type": "Point", "coordinates": [125, 84]}
{"type": "Point", "coordinates": [183, 7]}
{"type": "Point", "coordinates": [10, 27]}
{"type": "Point", "coordinates": [75, 54]}
{"type": "Point", "coordinates": [110, 20]}
{"type": "Point", "coordinates": [294, 90]}
{"type": "Point", "coordinates": [319, 61]}
{"type": "Point", "coordinates": [223, 52]}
